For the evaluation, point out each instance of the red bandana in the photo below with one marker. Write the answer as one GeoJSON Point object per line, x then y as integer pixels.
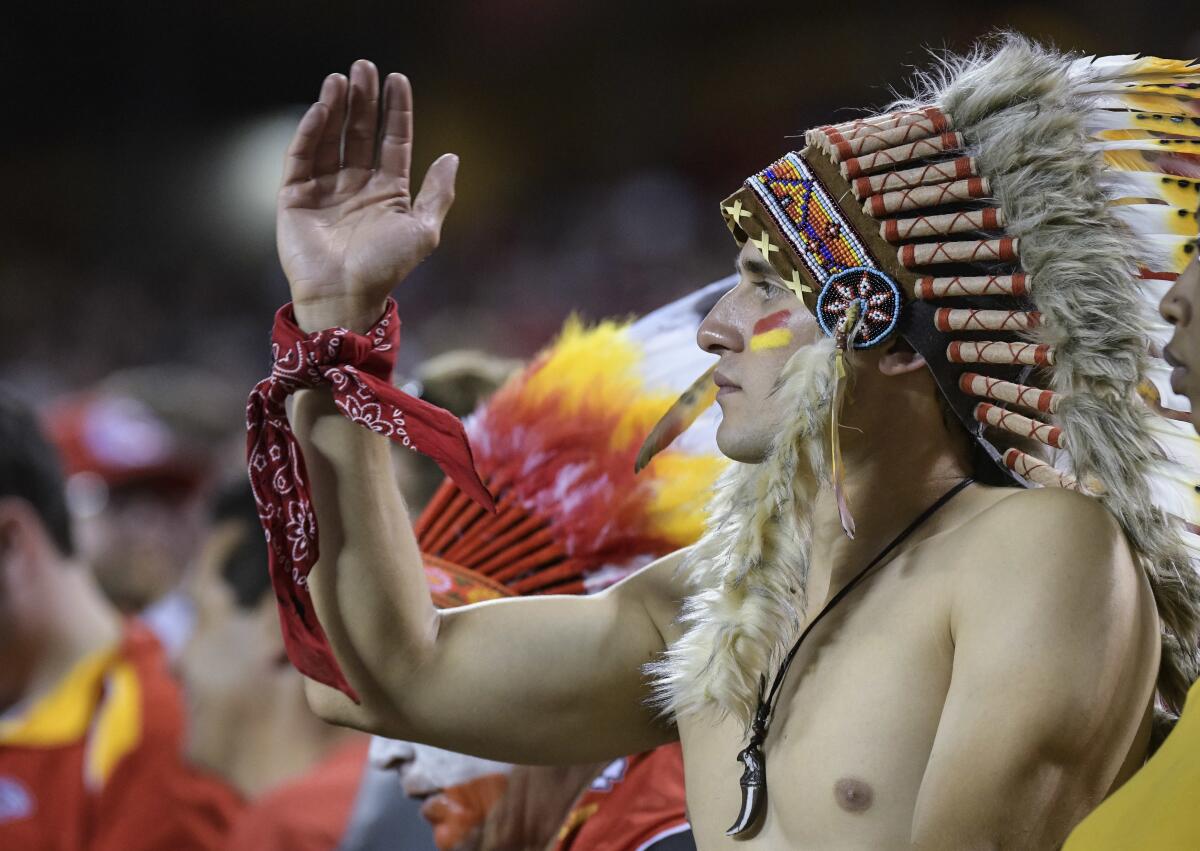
{"type": "Point", "coordinates": [358, 368]}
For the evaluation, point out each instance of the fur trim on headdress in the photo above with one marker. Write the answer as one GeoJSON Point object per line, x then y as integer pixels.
{"type": "Point", "coordinates": [1022, 109]}
{"type": "Point", "coordinates": [749, 572]}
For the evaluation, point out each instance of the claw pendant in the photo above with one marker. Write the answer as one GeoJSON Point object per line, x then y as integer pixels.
{"type": "Point", "coordinates": [754, 788]}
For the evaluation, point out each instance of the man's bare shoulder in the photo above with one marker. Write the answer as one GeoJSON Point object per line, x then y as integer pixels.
{"type": "Point", "coordinates": [1047, 544]}
{"type": "Point", "coordinates": [659, 587]}
{"type": "Point", "coordinates": [1030, 503]}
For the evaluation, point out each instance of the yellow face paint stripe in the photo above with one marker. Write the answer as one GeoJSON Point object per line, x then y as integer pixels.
{"type": "Point", "coordinates": [774, 339]}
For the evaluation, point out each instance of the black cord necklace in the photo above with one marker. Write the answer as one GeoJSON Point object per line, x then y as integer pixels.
{"type": "Point", "coordinates": [754, 778]}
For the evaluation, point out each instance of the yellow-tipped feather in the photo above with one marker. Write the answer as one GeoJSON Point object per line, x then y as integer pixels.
{"type": "Point", "coordinates": [1134, 186]}
{"type": "Point", "coordinates": [1132, 160]}
{"type": "Point", "coordinates": [1151, 219]}
{"type": "Point", "coordinates": [1137, 124]}
{"type": "Point", "coordinates": [1132, 65]}
{"type": "Point", "coordinates": [694, 401]}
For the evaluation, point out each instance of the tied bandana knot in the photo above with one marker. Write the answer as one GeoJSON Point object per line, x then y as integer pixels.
{"type": "Point", "coordinates": [358, 369]}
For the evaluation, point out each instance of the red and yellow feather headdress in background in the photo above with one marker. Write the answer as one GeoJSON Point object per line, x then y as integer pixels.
{"type": "Point", "coordinates": [556, 445]}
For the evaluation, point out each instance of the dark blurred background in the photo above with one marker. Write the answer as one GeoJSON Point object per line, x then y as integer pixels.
{"type": "Point", "coordinates": [142, 145]}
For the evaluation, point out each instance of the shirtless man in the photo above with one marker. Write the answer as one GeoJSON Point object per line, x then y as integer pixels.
{"type": "Point", "coordinates": [985, 688]}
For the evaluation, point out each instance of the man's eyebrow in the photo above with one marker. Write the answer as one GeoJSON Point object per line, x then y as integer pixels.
{"type": "Point", "coordinates": [755, 267]}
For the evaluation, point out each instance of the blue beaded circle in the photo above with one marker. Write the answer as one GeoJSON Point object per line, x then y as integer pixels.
{"type": "Point", "coordinates": [879, 299]}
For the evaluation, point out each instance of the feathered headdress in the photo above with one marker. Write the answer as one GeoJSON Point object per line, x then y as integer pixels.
{"type": "Point", "coordinates": [556, 445]}
{"type": "Point", "coordinates": [1017, 223]}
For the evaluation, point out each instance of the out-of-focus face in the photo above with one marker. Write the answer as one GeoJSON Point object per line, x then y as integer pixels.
{"type": "Point", "coordinates": [140, 543]}
{"type": "Point", "coordinates": [234, 670]}
{"type": "Point", "coordinates": [755, 328]}
{"type": "Point", "coordinates": [24, 622]}
{"type": "Point", "coordinates": [457, 790]}
{"type": "Point", "coordinates": [1181, 307]}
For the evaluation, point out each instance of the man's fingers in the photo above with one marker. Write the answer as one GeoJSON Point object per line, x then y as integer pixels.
{"type": "Point", "coordinates": [395, 150]}
{"type": "Point", "coordinates": [298, 162]}
{"type": "Point", "coordinates": [329, 150]}
{"type": "Point", "coordinates": [437, 191]}
{"type": "Point", "coordinates": [363, 120]}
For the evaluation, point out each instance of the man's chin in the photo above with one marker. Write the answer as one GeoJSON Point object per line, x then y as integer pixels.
{"type": "Point", "coordinates": [738, 446]}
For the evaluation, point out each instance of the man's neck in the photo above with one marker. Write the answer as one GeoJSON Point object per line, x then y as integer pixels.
{"type": "Point", "coordinates": [890, 479]}
{"type": "Point", "coordinates": [76, 621]}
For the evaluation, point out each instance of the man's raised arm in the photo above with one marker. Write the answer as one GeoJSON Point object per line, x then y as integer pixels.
{"type": "Point", "coordinates": [470, 679]}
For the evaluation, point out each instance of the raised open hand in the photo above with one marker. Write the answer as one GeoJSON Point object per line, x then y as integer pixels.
{"type": "Point", "coordinates": [347, 228]}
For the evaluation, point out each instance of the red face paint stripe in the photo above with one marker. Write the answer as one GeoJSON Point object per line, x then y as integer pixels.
{"type": "Point", "coordinates": [770, 323]}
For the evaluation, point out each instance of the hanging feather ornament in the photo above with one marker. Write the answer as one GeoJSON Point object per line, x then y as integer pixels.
{"type": "Point", "coordinates": [845, 333]}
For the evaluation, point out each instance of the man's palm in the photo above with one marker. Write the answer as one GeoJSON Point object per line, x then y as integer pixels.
{"type": "Point", "coordinates": [348, 230]}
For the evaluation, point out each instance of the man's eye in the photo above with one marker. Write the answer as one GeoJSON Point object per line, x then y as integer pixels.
{"type": "Point", "coordinates": [767, 291]}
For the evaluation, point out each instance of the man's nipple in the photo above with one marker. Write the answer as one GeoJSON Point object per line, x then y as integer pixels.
{"type": "Point", "coordinates": [853, 795]}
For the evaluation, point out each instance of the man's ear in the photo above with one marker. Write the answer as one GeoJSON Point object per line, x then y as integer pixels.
{"type": "Point", "coordinates": [24, 543]}
{"type": "Point", "coordinates": [900, 359]}
{"type": "Point", "coordinates": [21, 529]}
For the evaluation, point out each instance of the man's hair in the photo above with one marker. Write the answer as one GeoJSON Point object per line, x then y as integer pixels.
{"type": "Point", "coordinates": [30, 470]}
{"type": "Point", "coordinates": [245, 568]}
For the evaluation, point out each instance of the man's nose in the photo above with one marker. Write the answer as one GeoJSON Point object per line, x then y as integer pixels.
{"type": "Point", "coordinates": [390, 754]}
{"type": "Point", "coordinates": [1175, 307]}
{"type": "Point", "coordinates": [718, 333]}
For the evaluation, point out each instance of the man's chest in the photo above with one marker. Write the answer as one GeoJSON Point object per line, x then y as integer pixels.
{"type": "Point", "coordinates": [851, 734]}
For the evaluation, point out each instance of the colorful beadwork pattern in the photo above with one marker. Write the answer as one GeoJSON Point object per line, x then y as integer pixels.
{"type": "Point", "coordinates": [809, 218]}
{"type": "Point", "coordinates": [878, 296]}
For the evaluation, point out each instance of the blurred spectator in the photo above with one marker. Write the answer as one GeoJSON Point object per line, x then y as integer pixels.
{"type": "Point", "coordinates": [91, 723]}
{"type": "Point", "coordinates": [458, 381]}
{"type": "Point", "coordinates": [636, 803]}
{"type": "Point", "coordinates": [136, 488]}
{"type": "Point", "coordinates": [456, 791]}
{"type": "Point", "coordinates": [250, 722]}
{"type": "Point", "coordinates": [249, 719]}
{"type": "Point", "coordinates": [141, 449]}
{"type": "Point", "coordinates": [631, 804]}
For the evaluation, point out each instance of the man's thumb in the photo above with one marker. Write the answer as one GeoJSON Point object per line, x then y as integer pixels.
{"type": "Point", "coordinates": [437, 190]}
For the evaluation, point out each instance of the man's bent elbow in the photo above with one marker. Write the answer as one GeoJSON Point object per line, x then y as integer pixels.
{"type": "Point", "coordinates": [333, 707]}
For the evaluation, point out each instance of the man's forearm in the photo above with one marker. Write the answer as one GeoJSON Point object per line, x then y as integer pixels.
{"type": "Point", "coordinates": [468, 679]}
{"type": "Point", "coordinates": [368, 585]}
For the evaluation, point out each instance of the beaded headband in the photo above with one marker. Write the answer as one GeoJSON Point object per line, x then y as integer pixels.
{"type": "Point", "coordinates": [797, 210]}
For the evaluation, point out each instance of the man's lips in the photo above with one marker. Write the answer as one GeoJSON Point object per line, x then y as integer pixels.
{"type": "Point", "coordinates": [724, 385]}
{"type": "Point", "coordinates": [1177, 373]}
{"type": "Point", "coordinates": [436, 807]}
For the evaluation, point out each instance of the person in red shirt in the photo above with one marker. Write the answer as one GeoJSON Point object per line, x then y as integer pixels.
{"type": "Point", "coordinates": [636, 803]}
{"type": "Point", "coordinates": [310, 813]}
{"type": "Point", "coordinates": [250, 724]}
{"type": "Point", "coordinates": [91, 722]}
